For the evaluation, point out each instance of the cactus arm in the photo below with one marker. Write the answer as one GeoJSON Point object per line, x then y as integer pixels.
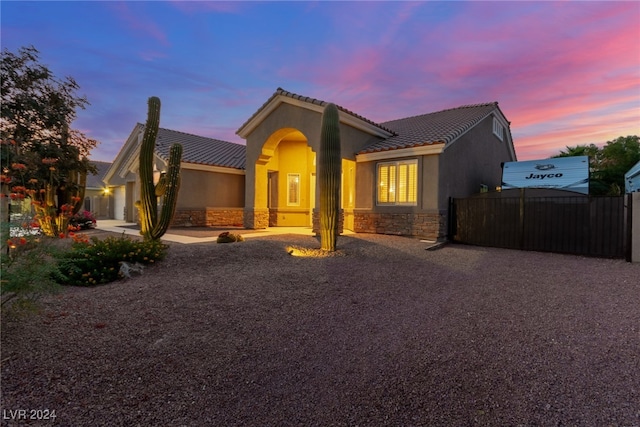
{"type": "Point", "coordinates": [172, 187]}
{"type": "Point", "coordinates": [148, 199]}
{"type": "Point", "coordinates": [329, 171]}
{"type": "Point", "coordinates": [161, 186]}
{"type": "Point", "coordinates": [153, 224]}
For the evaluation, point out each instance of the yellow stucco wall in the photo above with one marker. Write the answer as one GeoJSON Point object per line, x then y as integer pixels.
{"type": "Point", "coordinates": [290, 157]}
{"type": "Point", "coordinates": [263, 141]}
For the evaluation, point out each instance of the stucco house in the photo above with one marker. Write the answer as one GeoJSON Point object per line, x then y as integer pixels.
{"type": "Point", "coordinates": [397, 176]}
{"type": "Point", "coordinates": [97, 197]}
{"type": "Point", "coordinates": [212, 178]}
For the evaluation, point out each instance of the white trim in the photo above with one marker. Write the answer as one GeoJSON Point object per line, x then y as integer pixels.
{"type": "Point", "coordinates": [397, 164]}
{"type": "Point", "coordinates": [423, 150]}
{"type": "Point", "coordinates": [129, 166]}
{"type": "Point", "coordinates": [210, 168]}
{"type": "Point", "coordinates": [345, 118]}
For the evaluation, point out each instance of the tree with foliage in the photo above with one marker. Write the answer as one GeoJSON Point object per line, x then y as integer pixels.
{"type": "Point", "coordinates": [608, 164]}
{"type": "Point", "coordinates": [43, 158]}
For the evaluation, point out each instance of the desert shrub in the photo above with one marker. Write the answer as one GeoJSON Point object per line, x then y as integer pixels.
{"type": "Point", "coordinates": [28, 265]}
{"type": "Point", "coordinates": [98, 261]}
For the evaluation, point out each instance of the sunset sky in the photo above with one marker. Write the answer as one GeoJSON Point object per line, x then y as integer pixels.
{"type": "Point", "coordinates": [564, 73]}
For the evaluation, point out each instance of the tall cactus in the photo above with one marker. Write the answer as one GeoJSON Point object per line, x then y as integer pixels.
{"type": "Point", "coordinates": [329, 173]}
{"type": "Point", "coordinates": [153, 224]}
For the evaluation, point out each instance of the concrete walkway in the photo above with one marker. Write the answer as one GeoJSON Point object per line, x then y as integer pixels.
{"type": "Point", "coordinates": [117, 226]}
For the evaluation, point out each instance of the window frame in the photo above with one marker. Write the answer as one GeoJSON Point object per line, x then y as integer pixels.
{"type": "Point", "coordinates": [396, 182]}
{"type": "Point", "coordinates": [297, 189]}
{"type": "Point", "coordinates": [498, 129]}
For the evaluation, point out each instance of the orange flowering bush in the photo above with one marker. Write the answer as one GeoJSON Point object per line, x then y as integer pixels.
{"type": "Point", "coordinates": [52, 216]}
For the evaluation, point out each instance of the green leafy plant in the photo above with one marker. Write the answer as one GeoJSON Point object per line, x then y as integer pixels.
{"type": "Point", "coordinates": [98, 261]}
{"type": "Point", "coordinates": [43, 158]}
{"type": "Point", "coordinates": [28, 269]}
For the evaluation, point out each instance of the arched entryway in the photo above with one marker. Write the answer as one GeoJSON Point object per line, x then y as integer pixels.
{"type": "Point", "coordinates": [285, 173]}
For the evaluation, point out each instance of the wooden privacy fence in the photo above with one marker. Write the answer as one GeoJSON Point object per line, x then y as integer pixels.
{"type": "Point", "coordinates": [584, 225]}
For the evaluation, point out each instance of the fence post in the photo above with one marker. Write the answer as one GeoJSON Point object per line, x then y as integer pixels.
{"type": "Point", "coordinates": [521, 219]}
{"type": "Point", "coordinates": [451, 220]}
{"type": "Point", "coordinates": [633, 227]}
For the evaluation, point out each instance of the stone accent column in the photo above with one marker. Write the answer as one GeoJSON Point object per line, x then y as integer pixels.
{"type": "Point", "coordinates": [256, 218]}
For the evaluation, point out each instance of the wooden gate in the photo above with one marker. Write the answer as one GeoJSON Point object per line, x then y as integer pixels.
{"type": "Point", "coordinates": [584, 225]}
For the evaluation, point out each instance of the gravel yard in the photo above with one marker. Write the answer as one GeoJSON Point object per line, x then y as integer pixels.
{"type": "Point", "coordinates": [386, 334]}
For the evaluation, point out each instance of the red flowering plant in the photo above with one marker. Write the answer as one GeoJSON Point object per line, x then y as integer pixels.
{"type": "Point", "coordinates": [54, 201]}
{"type": "Point", "coordinates": [83, 220]}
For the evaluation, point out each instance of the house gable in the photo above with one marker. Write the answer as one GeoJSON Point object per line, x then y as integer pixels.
{"type": "Point", "coordinates": [432, 133]}
{"type": "Point", "coordinates": [282, 96]}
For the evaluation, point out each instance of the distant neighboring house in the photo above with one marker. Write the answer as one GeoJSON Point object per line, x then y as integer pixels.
{"type": "Point", "coordinates": [212, 178]}
{"type": "Point", "coordinates": [97, 196]}
{"type": "Point", "coordinates": [397, 176]}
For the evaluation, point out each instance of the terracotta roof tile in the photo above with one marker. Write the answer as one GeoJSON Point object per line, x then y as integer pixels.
{"type": "Point", "coordinates": [440, 127]}
{"type": "Point", "coordinates": [201, 150]}
{"type": "Point", "coordinates": [282, 92]}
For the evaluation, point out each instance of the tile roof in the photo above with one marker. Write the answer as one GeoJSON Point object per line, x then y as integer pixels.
{"type": "Point", "coordinates": [95, 181]}
{"type": "Point", "coordinates": [201, 150]}
{"type": "Point", "coordinates": [441, 127]}
{"type": "Point", "coordinates": [282, 92]}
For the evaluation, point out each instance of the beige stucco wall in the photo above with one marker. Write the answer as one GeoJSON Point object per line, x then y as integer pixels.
{"type": "Point", "coordinates": [101, 204]}
{"type": "Point", "coordinates": [472, 160]}
{"type": "Point", "coordinates": [202, 189]}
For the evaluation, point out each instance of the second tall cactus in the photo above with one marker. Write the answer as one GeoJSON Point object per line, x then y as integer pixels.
{"type": "Point", "coordinates": [154, 224]}
{"type": "Point", "coordinates": [329, 174]}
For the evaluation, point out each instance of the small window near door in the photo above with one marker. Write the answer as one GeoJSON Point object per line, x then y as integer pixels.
{"type": "Point", "coordinates": [293, 189]}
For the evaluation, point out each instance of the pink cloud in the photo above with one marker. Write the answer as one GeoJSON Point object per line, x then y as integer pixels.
{"type": "Point", "coordinates": [139, 22]}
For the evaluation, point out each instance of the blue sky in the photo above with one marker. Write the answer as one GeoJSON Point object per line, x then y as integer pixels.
{"type": "Point", "coordinates": [564, 73]}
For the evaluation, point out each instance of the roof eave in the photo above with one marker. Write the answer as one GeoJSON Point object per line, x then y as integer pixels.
{"type": "Point", "coordinates": [419, 150]}
{"type": "Point", "coordinates": [213, 168]}
{"type": "Point", "coordinates": [279, 98]}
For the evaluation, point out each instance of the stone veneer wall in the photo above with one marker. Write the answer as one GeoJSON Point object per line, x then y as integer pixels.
{"type": "Point", "coordinates": [428, 225]}
{"type": "Point", "coordinates": [189, 217]}
{"type": "Point", "coordinates": [225, 217]}
{"type": "Point", "coordinates": [256, 218]}
{"type": "Point", "coordinates": [208, 217]}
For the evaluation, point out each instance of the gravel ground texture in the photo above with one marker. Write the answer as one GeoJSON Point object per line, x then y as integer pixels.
{"type": "Point", "coordinates": [385, 333]}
